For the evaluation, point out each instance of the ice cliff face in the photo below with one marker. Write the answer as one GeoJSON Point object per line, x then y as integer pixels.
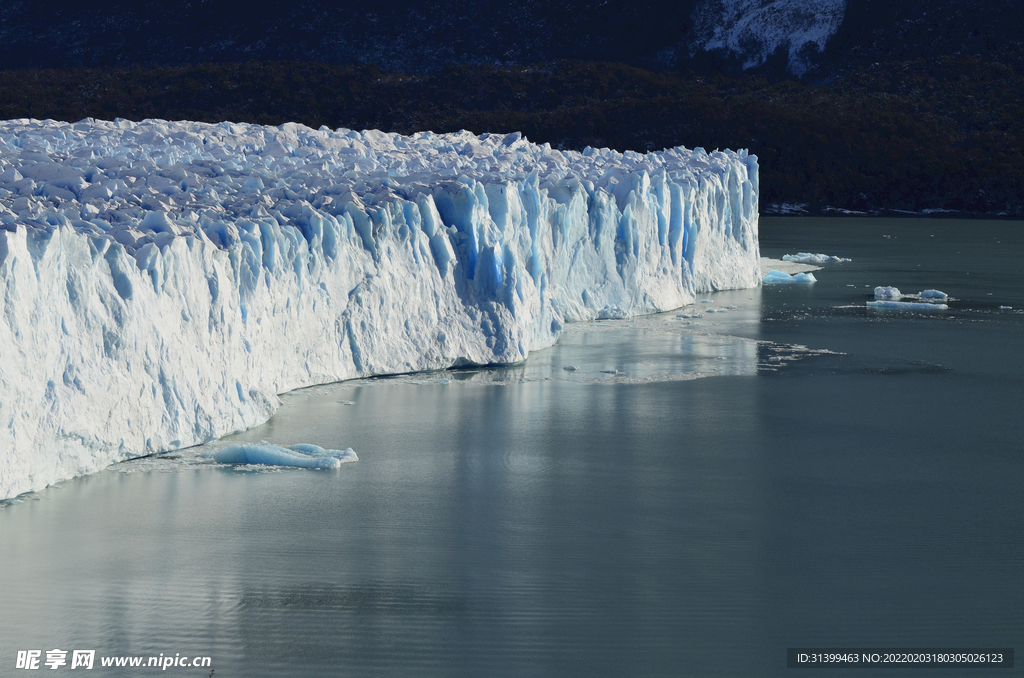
{"type": "Point", "coordinates": [161, 282]}
{"type": "Point", "coordinates": [755, 29]}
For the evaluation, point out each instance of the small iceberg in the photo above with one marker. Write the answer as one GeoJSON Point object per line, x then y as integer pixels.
{"type": "Point", "coordinates": [906, 305]}
{"type": "Point", "coordinates": [775, 277]}
{"type": "Point", "coordinates": [809, 258]}
{"type": "Point", "coordinates": [888, 293]}
{"type": "Point", "coordinates": [894, 294]}
{"type": "Point", "coordinates": [303, 455]}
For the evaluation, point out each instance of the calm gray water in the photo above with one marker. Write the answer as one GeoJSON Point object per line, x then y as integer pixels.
{"type": "Point", "coordinates": [796, 471]}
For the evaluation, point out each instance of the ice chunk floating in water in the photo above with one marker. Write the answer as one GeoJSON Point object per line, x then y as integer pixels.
{"type": "Point", "coordinates": [905, 306]}
{"type": "Point", "coordinates": [346, 455]}
{"type": "Point", "coordinates": [808, 258]}
{"type": "Point", "coordinates": [776, 277]}
{"type": "Point", "coordinates": [894, 294]}
{"type": "Point", "coordinates": [302, 455]}
{"type": "Point", "coordinates": [888, 293]}
{"type": "Point", "coordinates": [161, 282]}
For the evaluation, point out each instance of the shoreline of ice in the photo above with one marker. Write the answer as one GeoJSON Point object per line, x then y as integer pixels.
{"type": "Point", "coordinates": [161, 283]}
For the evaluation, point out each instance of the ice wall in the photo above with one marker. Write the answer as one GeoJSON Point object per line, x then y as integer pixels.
{"type": "Point", "coordinates": [161, 282]}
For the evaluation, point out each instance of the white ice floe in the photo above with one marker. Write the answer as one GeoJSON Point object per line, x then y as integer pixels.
{"type": "Point", "coordinates": [906, 305]}
{"type": "Point", "coordinates": [776, 277]}
{"type": "Point", "coordinates": [808, 258]}
{"type": "Point", "coordinates": [302, 455]}
{"type": "Point", "coordinates": [161, 282]}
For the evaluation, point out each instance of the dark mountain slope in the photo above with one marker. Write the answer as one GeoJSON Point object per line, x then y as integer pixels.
{"type": "Point", "coordinates": [403, 35]}
{"type": "Point", "coordinates": [424, 36]}
{"type": "Point", "coordinates": [916, 135]}
{"type": "Point", "coordinates": [875, 31]}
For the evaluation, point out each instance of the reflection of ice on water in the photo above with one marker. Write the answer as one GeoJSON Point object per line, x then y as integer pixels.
{"type": "Point", "coordinates": [642, 352]}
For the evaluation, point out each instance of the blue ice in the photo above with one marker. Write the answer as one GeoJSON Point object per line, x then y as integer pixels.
{"type": "Point", "coordinates": [906, 306]}
{"type": "Point", "coordinates": [934, 294]}
{"type": "Point", "coordinates": [302, 455]}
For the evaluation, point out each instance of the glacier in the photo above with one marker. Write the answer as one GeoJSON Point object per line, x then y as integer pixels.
{"type": "Point", "coordinates": [162, 282]}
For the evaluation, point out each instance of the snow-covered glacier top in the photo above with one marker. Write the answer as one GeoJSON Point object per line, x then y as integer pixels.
{"type": "Point", "coordinates": [116, 173]}
{"type": "Point", "coordinates": [161, 282]}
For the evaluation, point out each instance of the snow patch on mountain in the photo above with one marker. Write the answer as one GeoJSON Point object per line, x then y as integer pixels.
{"type": "Point", "coordinates": [754, 29]}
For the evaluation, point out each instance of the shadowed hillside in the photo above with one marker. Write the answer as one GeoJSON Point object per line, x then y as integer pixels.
{"type": "Point", "coordinates": [940, 133]}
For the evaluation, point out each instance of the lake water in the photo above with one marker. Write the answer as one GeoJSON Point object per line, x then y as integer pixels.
{"type": "Point", "coordinates": [699, 495]}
